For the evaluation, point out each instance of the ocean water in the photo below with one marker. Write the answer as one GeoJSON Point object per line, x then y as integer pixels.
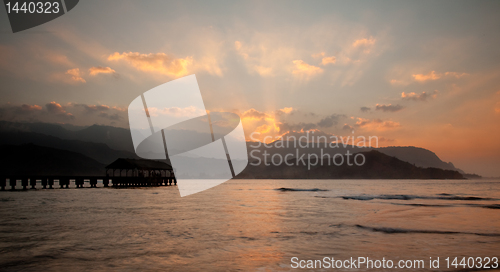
{"type": "Point", "coordinates": [249, 225]}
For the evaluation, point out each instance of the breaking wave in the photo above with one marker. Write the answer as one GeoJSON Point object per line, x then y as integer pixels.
{"type": "Point", "coordinates": [400, 230]}
{"type": "Point", "coordinates": [411, 197]}
{"type": "Point", "coordinates": [486, 206]}
{"type": "Point", "coordinates": [283, 189]}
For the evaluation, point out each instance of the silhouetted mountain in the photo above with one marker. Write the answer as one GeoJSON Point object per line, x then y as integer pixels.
{"type": "Point", "coordinates": [114, 137]}
{"type": "Point", "coordinates": [97, 151]}
{"type": "Point", "coordinates": [120, 140]}
{"type": "Point", "coordinates": [376, 166]}
{"type": "Point", "coordinates": [418, 156]}
{"type": "Point", "coordinates": [472, 176]}
{"type": "Point", "coordinates": [30, 159]}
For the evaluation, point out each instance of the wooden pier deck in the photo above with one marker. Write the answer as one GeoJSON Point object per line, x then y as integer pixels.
{"type": "Point", "coordinates": [49, 182]}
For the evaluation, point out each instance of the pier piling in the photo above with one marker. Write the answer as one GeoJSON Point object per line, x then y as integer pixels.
{"type": "Point", "coordinates": [33, 183]}
{"type": "Point", "coordinates": [24, 183]}
{"type": "Point", "coordinates": [47, 182]}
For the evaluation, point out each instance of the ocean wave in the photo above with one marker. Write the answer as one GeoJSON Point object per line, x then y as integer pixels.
{"type": "Point", "coordinates": [486, 206]}
{"type": "Point", "coordinates": [401, 230]}
{"type": "Point", "coordinates": [423, 205]}
{"type": "Point", "coordinates": [411, 197]}
{"type": "Point", "coordinates": [283, 189]}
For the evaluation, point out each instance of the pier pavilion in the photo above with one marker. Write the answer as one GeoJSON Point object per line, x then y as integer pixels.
{"type": "Point", "coordinates": [140, 172]}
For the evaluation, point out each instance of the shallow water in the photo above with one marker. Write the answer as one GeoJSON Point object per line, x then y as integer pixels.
{"type": "Point", "coordinates": [248, 225]}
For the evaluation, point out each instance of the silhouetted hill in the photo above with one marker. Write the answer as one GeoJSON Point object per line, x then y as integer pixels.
{"type": "Point", "coordinates": [377, 166]}
{"type": "Point", "coordinates": [30, 159]}
{"type": "Point", "coordinates": [97, 151]}
{"type": "Point", "coordinates": [118, 143]}
{"type": "Point", "coordinates": [418, 156]}
{"type": "Point", "coordinates": [114, 137]}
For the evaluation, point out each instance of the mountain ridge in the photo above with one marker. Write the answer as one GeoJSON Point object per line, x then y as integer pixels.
{"type": "Point", "coordinates": [31, 159]}
{"type": "Point", "coordinates": [118, 143]}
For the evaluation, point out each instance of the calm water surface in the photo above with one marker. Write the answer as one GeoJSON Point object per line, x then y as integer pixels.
{"type": "Point", "coordinates": [247, 225]}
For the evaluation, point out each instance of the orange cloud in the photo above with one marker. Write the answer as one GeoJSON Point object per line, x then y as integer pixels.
{"type": "Point", "coordinates": [304, 70]}
{"type": "Point", "coordinates": [75, 75]}
{"type": "Point", "coordinates": [328, 60]}
{"type": "Point", "coordinates": [237, 45]}
{"type": "Point", "coordinates": [56, 108]}
{"type": "Point", "coordinates": [26, 107]}
{"type": "Point", "coordinates": [190, 111]}
{"type": "Point", "coordinates": [433, 76]}
{"type": "Point", "coordinates": [430, 76]}
{"type": "Point", "coordinates": [376, 124]}
{"type": "Point", "coordinates": [101, 70]}
{"type": "Point", "coordinates": [119, 108]}
{"type": "Point", "coordinates": [324, 60]}
{"type": "Point", "coordinates": [364, 42]}
{"type": "Point", "coordinates": [263, 129]}
{"type": "Point", "coordinates": [455, 74]}
{"type": "Point", "coordinates": [286, 110]}
{"type": "Point", "coordinates": [365, 45]}
{"type": "Point", "coordinates": [93, 108]}
{"type": "Point", "coordinates": [157, 63]}
{"type": "Point", "coordinates": [263, 123]}
{"type": "Point", "coordinates": [255, 115]}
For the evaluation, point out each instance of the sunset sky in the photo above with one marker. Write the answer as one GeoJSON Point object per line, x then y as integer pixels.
{"type": "Point", "coordinates": [421, 73]}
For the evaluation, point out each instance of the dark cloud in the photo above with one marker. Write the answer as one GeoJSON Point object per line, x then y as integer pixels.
{"type": "Point", "coordinates": [53, 112]}
{"type": "Point", "coordinates": [113, 117]}
{"type": "Point", "coordinates": [93, 108]}
{"type": "Point", "coordinates": [418, 97]}
{"type": "Point", "coordinates": [330, 121]}
{"type": "Point", "coordinates": [365, 109]}
{"type": "Point", "coordinates": [296, 127]}
{"type": "Point", "coordinates": [25, 112]}
{"type": "Point", "coordinates": [388, 108]}
{"type": "Point", "coordinates": [347, 127]}
{"type": "Point", "coordinates": [57, 109]}
{"type": "Point", "coordinates": [327, 122]}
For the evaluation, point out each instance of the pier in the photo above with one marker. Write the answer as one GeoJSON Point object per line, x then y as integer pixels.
{"type": "Point", "coordinates": [63, 182]}
{"type": "Point", "coordinates": [120, 173]}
